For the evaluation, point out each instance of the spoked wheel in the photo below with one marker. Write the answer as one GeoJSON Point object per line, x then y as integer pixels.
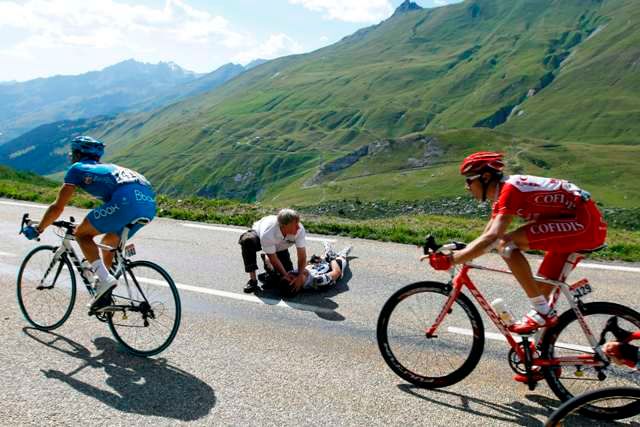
{"type": "Point", "coordinates": [564, 414]}
{"type": "Point", "coordinates": [437, 361]}
{"type": "Point", "coordinates": [567, 339]}
{"type": "Point", "coordinates": [46, 288]}
{"type": "Point", "coordinates": [149, 314]}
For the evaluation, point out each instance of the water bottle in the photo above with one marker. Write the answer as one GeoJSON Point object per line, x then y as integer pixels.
{"type": "Point", "coordinates": [87, 271]}
{"type": "Point", "coordinates": [503, 311]}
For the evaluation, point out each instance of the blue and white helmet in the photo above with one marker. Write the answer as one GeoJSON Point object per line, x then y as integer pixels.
{"type": "Point", "coordinates": [87, 146]}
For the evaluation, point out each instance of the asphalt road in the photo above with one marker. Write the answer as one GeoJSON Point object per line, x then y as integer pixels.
{"type": "Point", "coordinates": [241, 360]}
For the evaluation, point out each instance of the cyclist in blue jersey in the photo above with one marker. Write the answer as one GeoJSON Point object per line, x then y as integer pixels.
{"type": "Point", "coordinates": [127, 195]}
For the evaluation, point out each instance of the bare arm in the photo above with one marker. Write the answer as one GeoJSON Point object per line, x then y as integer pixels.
{"type": "Point", "coordinates": [488, 226]}
{"type": "Point", "coordinates": [301, 254]}
{"type": "Point", "coordinates": [56, 208]}
{"type": "Point", "coordinates": [494, 231]}
{"type": "Point", "coordinates": [275, 262]}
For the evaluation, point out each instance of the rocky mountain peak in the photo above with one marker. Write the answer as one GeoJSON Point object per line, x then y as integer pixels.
{"type": "Point", "coordinates": [407, 6]}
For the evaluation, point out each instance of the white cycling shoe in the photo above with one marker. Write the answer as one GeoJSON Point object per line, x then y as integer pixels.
{"type": "Point", "coordinates": [102, 287]}
{"type": "Point", "coordinates": [344, 253]}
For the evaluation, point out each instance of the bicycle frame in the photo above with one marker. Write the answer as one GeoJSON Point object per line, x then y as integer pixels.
{"type": "Point", "coordinates": [119, 260]}
{"type": "Point", "coordinates": [462, 280]}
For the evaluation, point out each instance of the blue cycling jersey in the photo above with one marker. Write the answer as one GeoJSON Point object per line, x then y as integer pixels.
{"type": "Point", "coordinates": [101, 180]}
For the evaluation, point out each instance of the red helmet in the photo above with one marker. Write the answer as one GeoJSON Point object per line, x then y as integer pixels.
{"type": "Point", "coordinates": [477, 162]}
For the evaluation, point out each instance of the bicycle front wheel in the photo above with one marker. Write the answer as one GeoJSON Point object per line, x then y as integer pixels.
{"type": "Point", "coordinates": [46, 288]}
{"type": "Point", "coordinates": [150, 309]}
{"type": "Point", "coordinates": [567, 340]}
{"type": "Point", "coordinates": [563, 414]}
{"type": "Point", "coordinates": [430, 362]}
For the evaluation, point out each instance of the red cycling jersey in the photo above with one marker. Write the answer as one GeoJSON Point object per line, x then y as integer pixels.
{"type": "Point", "coordinates": [562, 217]}
{"type": "Point", "coordinates": [534, 198]}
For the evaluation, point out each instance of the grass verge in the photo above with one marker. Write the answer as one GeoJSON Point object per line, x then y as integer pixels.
{"type": "Point", "coordinates": [409, 228]}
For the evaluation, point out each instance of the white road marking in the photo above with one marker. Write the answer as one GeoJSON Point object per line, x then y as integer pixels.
{"type": "Point", "coordinates": [320, 239]}
{"type": "Point", "coordinates": [609, 267]}
{"type": "Point", "coordinates": [242, 230]}
{"type": "Point", "coordinates": [7, 254]}
{"type": "Point", "coordinates": [240, 297]}
{"type": "Point", "coordinates": [499, 337]}
{"type": "Point", "coordinates": [224, 294]}
{"type": "Point", "coordinates": [468, 332]}
{"type": "Point", "coordinates": [24, 205]}
{"type": "Point", "coordinates": [211, 227]}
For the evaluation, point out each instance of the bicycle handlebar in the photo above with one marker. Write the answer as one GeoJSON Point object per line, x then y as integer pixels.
{"type": "Point", "coordinates": [430, 245]}
{"type": "Point", "coordinates": [25, 221]}
{"type": "Point", "coordinates": [70, 225]}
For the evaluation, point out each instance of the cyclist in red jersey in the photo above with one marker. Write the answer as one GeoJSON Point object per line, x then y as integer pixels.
{"type": "Point", "coordinates": [562, 219]}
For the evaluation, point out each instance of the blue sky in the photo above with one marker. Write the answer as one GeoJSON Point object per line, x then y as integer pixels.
{"type": "Point", "coordinates": [41, 38]}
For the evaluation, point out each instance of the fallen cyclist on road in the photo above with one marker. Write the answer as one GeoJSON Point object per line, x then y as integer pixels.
{"type": "Point", "coordinates": [321, 273]}
{"type": "Point", "coordinates": [561, 219]}
{"type": "Point", "coordinates": [127, 195]}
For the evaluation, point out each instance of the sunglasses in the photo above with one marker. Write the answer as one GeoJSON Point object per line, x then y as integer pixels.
{"type": "Point", "coordinates": [472, 178]}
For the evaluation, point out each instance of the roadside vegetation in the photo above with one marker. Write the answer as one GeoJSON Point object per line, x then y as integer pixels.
{"type": "Point", "coordinates": [407, 222]}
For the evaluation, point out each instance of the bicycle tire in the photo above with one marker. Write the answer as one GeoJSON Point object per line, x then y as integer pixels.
{"type": "Point", "coordinates": [470, 315]}
{"type": "Point", "coordinates": [30, 312]}
{"type": "Point", "coordinates": [122, 328]}
{"type": "Point", "coordinates": [574, 405]}
{"type": "Point", "coordinates": [576, 343]}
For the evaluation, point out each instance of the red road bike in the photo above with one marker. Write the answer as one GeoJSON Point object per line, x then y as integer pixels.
{"type": "Point", "coordinates": [432, 335]}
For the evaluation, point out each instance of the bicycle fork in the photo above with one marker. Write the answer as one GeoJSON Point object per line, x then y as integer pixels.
{"type": "Point", "coordinates": [55, 260]}
{"type": "Point", "coordinates": [454, 291]}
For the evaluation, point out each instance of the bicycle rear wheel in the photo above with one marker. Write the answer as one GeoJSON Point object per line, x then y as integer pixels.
{"type": "Point", "coordinates": [563, 414]}
{"type": "Point", "coordinates": [151, 316]}
{"type": "Point", "coordinates": [430, 362]}
{"type": "Point", "coordinates": [46, 288]}
{"type": "Point", "coordinates": [567, 339]}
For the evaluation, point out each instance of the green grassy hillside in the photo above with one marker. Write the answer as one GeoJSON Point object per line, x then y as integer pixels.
{"type": "Point", "coordinates": [556, 79]}
{"type": "Point", "coordinates": [425, 166]}
{"type": "Point", "coordinates": [426, 71]}
{"type": "Point", "coordinates": [379, 221]}
{"type": "Point", "coordinates": [595, 97]}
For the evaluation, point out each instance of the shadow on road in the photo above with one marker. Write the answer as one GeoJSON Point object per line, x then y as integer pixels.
{"type": "Point", "coordinates": [139, 385]}
{"type": "Point", "coordinates": [515, 412]}
{"type": "Point", "coordinates": [319, 302]}
{"type": "Point", "coordinates": [575, 419]}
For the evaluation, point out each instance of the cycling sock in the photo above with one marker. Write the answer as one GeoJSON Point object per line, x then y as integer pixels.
{"type": "Point", "coordinates": [540, 304]}
{"type": "Point", "coordinates": [100, 269]}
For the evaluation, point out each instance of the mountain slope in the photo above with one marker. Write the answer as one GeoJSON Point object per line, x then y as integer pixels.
{"type": "Point", "coordinates": [595, 95]}
{"type": "Point", "coordinates": [421, 71]}
{"type": "Point", "coordinates": [523, 67]}
{"type": "Point", "coordinates": [126, 86]}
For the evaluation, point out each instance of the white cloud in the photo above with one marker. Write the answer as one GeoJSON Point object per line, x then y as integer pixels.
{"type": "Point", "coordinates": [275, 46]}
{"type": "Point", "coordinates": [103, 23]}
{"type": "Point", "coordinates": [438, 3]}
{"type": "Point", "coordinates": [349, 10]}
{"type": "Point", "coordinates": [73, 36]}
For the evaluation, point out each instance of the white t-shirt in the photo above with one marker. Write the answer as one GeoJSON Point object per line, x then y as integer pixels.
{"type": "Point", "coordinates": [271, 238]}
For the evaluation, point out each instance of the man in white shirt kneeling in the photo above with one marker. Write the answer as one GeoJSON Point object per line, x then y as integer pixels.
{"type": "Point", "coordinates": [274, 234]}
